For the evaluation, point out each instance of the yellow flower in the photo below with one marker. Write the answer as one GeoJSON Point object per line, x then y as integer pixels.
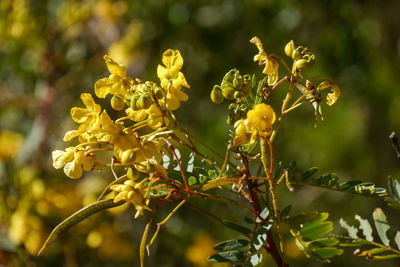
{"type": "Point", "coordinates": [133, 193]}
{"type": "Point", "coordinates": [117, 83]}
{"type": "Point", "coordinates": [88, 117]}
{"type": "Point", "coordinates": [271, 65]}
{"type": "Point", "coordinates": [333, 96]}
{"type": "Point", "coordinates": [261, 118]}
{"type": "Point", "coordinates": [259, 121]}
{"type": "Point", "coordinates": [73, 160]}
{"type": "Point", "coordinates": [172, 80]}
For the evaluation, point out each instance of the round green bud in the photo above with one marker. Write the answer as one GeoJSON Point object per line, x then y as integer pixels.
{"type": "Point", "coordinates": [227, 90]}
{"type": "Point", "coordinates": [216, 95]}
{"type": "Point", "coordinates": [117, 102]}
{"type": "Point", "coordinates": [237, 95]}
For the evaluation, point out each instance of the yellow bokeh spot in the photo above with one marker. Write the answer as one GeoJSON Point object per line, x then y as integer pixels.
{"type": "Point", "coordinates": [94, 239]}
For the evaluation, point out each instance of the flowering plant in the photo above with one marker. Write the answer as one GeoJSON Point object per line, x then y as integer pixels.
{"type": "Point", "coordinates": [141, 147]}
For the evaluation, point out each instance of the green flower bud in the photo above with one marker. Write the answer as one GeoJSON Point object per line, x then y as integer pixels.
{"type": "Point", "coordinates": [289, 48]}
{"type": "Point", "coordinates": [229, 76]}
{"type": "Point", "coordinates": [232, 106]}
{"type": "Point", "coordinates": [216, 95]}
{"type": "Point", "coordinates": [227, 90]}
{"type": "Point", "coordinates": [301, 63]}
{"type": "Point", "coordinates": [132, 104]}
{"type": "Point", "coordinates": [144, 102]}
{"type": "Point", "coordinates": [237, 95]}
{"type": "Point", "coordinates": [117, 102]}
{"type": "Point", "coordinates": [297, 53]}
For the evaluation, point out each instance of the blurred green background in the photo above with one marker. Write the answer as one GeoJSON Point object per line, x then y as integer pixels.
{"type": "Point", "coordinates": [51, 52]}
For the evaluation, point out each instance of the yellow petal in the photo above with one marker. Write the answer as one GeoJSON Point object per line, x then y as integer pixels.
{"type": "Point", "coordinates": [102, 87]}
{"type": "Point", "coordinates": [333, 96]}
{"type": "Point", "coordinates": [162, 72]}
{"type": "Point", "coordinates": [180, 81]}
{"type": "Point", "coordinates": [172, 102]}
{"type": "Point", "coordinates": [79, 115]}
{"type": "Point", "coordinates": [70, 135]}
{"type": "Point", "coordinates": [137, 115]}
{"type": "Point", "coordinates": [73, 170]}
{"type": "Point", "coordinates": [87, 99]}
{"type": "Point", "coordinates": [57, 156]}
{"type": "Point", "coordinates": [173, 60]}
{"type": "Point", "coordinates": [255, 40]}
{"type": "Point", "coordinates": [114, 67]}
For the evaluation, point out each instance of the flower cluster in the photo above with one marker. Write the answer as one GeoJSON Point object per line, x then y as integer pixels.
{"type": "Point", "coordinates": [259, 121]}
{"type": "Point", "coordinates": [135, 141]}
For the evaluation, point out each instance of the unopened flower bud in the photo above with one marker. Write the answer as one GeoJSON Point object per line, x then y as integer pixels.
{"type": "Point", "coordinates": [216, 95]}
{"type": "Point", "coordinates": [237, 95]}
{"type": "Point", "coordinates": [301, 63]}
{"type": "Point", "coordinates": [297, 53]}
{"type": "Point", "coordinates": [289, 48]}
{"type": "Point", "coordinates": [227, 90]}
{"type": "Point", "coordinates": [117, 102]}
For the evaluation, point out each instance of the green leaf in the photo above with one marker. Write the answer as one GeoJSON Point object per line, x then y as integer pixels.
{"type": "Point", "coordinates": [248, 220]}
{"type": "Point", "coordinates": [397, 239]}
{"type": "Point", "coordinates": [212, 174]}
{"type": "Point", "coordinates": [227, 256]}
{"type": "Point", "coordinates": [365, 227]}
{"type": "Point", "coordinates": [324, 242]}
{"type": "Point", "coordinates": [351, 230]}
{"type": "Point", "coordinates": [297, 220]}
{"type": "Point", "coordinates": [202, 179]}
{"type": "Point", "coordinates": [232, 244]}
{"type": "Point", "coordinates": [394, 188]}
{"type": "Point", "coordinates": [355, 243]}
{"type": "Point", "coordinates": [77, 217]}
{"type": "Point", "coordinates": [263, 215]}
{"type": "Point", "coordinates": [327, 252]}
{"type": "Point", "coordinates": [192, 180]}
{"type": "Point", "coordinates": [236, 227]}
{"type": "Point", "coordinates": [317, 231]}
{"type": "Point", "coordinates": [308, 173]}
{"type": "Point", "coordinates": [381, 225]}
{"type": "Point", "coordinates": [285, 212]}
